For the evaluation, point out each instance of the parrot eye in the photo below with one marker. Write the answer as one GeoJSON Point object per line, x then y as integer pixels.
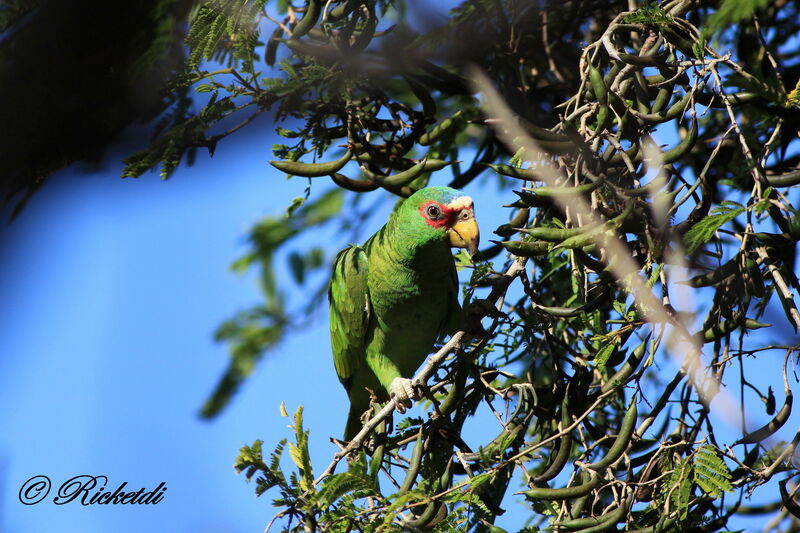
{"type": "Point", "coordinates": [433, 212]}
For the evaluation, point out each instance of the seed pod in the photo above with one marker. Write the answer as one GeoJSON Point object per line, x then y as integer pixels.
{"type": "Point", "coordinates": [585, 239]}
{"type": "Point", "coordinates": [720, 330]}
{"type": "Point", "coordinates": [622, 441]}
{"type": "Point", "coordinates": [625, 371]}
{"type": "Point", "coordinates": [313, 9]}
{"type": "Point", "coordinates": [527, 199]}
{"type": "Point", "coordinates": [715, 276]}
{"type": "Point", "coordinates": [401, 178]}
{"type": "Point", "coordinates": [642, 61]}
{"type": "Point", "coordinates": [567, 312]}
{"type": "Point", "coordinates": [785, 180]}
{"type": "Point", "coordinates": [342, 10]}
{"type": "Point", "coordinates": [520, 219]}
{"type": "Point", "coordinates": [594, 523]}
{"type": "Point", "coordinates": [683, 147]}
{"type": "Point", "coordinates": [566, 493]}
{"type": "Point", "coordinates": [439, 130]}
{"type": "Point", "coordinates": [770, 428]}
{"type": "Point", "coordinates": [312, 170]}
{"type": "Point", "coordinates": [662, 98]}
{"type": "Point", "coordinates": [564, 192]}
{"type": "Point", "coordinates": [353, 185]}
{"type": "Point", "coordinates": [558, 234]}
{"type": "Point", "coordinates": [424, 97]}
{"type": "Point", "coordinates": [526, 248]}
{"type": "Point", "coordinates": [541, 134]}
{"type": "Point", "coordinates": [271, 50]}
{"type": "Point", "coordinates": [514, 172]}
{"type": "Point", "coordinates": [674, 111]}
{"type": "Point", "coordinates": [598, 86]}
{"type": "Point", "coordinates": [564, 445]}
{"type": "Point", "coordinates": [363, 38]}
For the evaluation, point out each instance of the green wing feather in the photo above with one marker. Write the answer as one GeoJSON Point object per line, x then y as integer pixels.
{"type": "Point", "coordinates": [350, 311]}
{"type": "Point", "coordinates": [454, 318]}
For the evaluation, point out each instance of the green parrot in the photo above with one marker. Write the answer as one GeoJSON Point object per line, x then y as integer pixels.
{"type": "Point", "coordinates": [393, 297]}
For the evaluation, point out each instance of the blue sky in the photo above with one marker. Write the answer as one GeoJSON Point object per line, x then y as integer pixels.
{"type": "Point", "coordinates": [113, 290]}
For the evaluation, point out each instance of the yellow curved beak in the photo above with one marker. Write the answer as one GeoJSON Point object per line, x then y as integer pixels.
{"type": "Point", "coordinates": [465, 234]}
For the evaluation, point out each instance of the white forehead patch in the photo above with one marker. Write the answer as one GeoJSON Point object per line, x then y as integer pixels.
{"type": "Point", "coordinates": [461, 202]}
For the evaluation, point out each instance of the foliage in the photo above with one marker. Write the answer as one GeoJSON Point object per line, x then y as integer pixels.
{"type": "Point", "coordinates": [601, 380]}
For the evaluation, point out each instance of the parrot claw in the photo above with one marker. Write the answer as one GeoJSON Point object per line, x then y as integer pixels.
{"type": "Point", "coordinates": [403, 392]}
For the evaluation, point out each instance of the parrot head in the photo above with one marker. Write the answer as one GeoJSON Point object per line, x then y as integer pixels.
{"type": "Point", "coordinates": [442, 213]}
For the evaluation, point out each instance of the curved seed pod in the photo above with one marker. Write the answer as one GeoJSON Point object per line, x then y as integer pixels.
{"type": "Point", "coordinates": [325, 55]}
{"type": "Point", "coordinates": [787, 500]}
{"type": "Point", "coordinates": [616, 159]}
{"type": "Point", "coordinates": [353, 185]}
{"type": "Point", "coordinates": [342, 10]}
{"type": "Point", "coordinates": [642, 61]}
{"type": "Point", "coordinates": [425, 518]}
{"type": "Point", "coordinates": [621, 376]}
{"type": "Point", "coordinates": [594, 524]}
{"type": "Point", "coordinates": [673, 154]}
{"type": "Point", "coordinates": [514, 172]}
{"type": "Point", "coordinates": [598, 86]}
{"type": "Point", "coordinates": [678, 40]}
{"type": "Point", "coordinates": [271, 50]}
{"type": "Point", "coordinates": [611, 75]}
{"type": "Point", "coordinates": [794, 226]}
{"type": "Point", "coordinates": [438, 130]}
{"type": "Point", "coordinates": [665, 74]}
{"type": "Point", "coordinates": [428, 165]}
{"type": "Point", "coordinates": [564, 446]}
{"type": "Point", "coordinates": [603, 119]}
{"type": "Point", "coordinates": [519, 219]}
{"type": "Point", "coordinates": [312, 170]}
{"type": "Point", "coordinates": [717, 275]}
{"type": "Point", "coordinates": [424, 97]}
{"type": "Point", "coordinates": [753, 278]}
{"type": "Point", "coordinates": [720, 330]}
{"type": "Point", "coordinates": [527, 199]}
{"type": "Point", "coordinates": [588, 261]}
{"type": "Point", "coordinates": [674, 111]}
{"type": "Point", "coordinates": [556, 147]}
{"type": "Point", "coordinates": [413, 465]}
{"type": "Point", "coordinates": [589, 237]}
{"type": "Point", "coordinates": [488, 253]}
{"type": "Point", "coordinates": [397, 180]}
{"type": "Point", "coordinates": [662, 98]}
{"type": "Point", "coordinates": [770, 428]}
{"type": "Point", "coordinates": [564, 192]}
{"type": "Point", "coordinates": [526, 248]}
{"type": "Point", "coordinates": [785, 180]}
{"type": "Point", "coordinates": [389, 154]}
{"type": "Point", "coordinates": [622, 441]}
{"type": "Point", "coordinates": [567, 312]}
{"type": "Point", "coordinates": [566, 493]}
{"type": "Point", "coordinates": [647, 190]}
{"type": "Point", "coordinates": [541, 134]}
{"type": "Point", "coordinates": [313, 9]}
{"type": "Point", "coordinates": [558, 234]}
{"type": "Point", "coordinates": [363, 38]}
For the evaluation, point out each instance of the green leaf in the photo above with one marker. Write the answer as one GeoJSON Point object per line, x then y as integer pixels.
{"type": "Point", "coordinates": [704, 230]}
{"type": "Point", "coordinates": [710, 472]}
{"type": "Point", "coordinates": [605, 351]}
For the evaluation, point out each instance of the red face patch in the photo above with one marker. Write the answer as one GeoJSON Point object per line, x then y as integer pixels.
{"type": "Point", "coordinates": [440, 216]}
